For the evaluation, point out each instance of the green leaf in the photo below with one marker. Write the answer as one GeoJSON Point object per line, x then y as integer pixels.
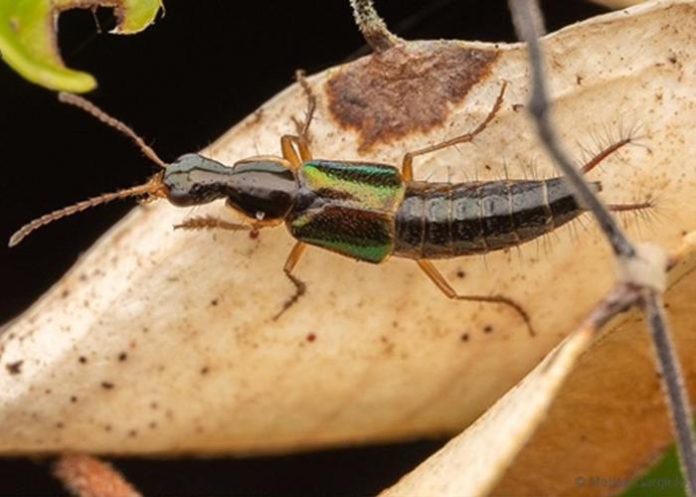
{"type": "Point", "coordinates": [663, 479]}
{"type": "Point", "coordinates": [28, 37]}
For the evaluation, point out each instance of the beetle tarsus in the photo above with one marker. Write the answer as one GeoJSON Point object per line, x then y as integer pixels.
{"type": "Point", "coordinates": [300, 289]}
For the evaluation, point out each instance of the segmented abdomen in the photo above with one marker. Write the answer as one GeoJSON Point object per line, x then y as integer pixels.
{"type": "Point", "coordinates": [440, 220]}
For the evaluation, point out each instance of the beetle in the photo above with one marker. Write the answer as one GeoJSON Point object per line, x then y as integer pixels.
{"type": "Point", "coordinates": [364, 210]}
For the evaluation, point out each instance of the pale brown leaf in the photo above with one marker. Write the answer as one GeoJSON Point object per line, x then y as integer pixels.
{"type": "Point", "coordinates": [618, 4]}
{"type": "Point", "coordinates": [163, 342]}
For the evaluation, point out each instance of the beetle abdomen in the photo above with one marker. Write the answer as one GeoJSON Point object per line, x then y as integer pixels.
{"type": "Point", "coordinates": [440, 220]}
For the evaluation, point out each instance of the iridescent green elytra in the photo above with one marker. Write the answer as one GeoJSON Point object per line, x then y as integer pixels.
{"type": "Point", "coordinates": [347, 207]}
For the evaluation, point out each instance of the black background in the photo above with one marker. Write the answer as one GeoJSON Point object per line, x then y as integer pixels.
{"type": "Point", "coordinates": [182, 83]}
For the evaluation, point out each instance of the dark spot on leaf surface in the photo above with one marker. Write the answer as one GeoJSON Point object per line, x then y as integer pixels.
{"type": "Point", "coordinates": [408, 88]}
{"type": "Point", "coordinates": [14, 367]}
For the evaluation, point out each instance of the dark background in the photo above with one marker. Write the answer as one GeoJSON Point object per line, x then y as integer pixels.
{"type": "Point", "coordinates": [182, 83]}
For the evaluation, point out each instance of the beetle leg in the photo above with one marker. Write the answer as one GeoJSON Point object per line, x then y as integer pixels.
{"type": "Point", "coordinates": [300, 286]}
{"type": "Point", "coordinates": [288, 150]}
{"type": "Point", "coordinates": [436, 277]}
{"type": "Point", "coordinates": [407, 163]}
{"type": "Point", "coordinates": [210, 222]}
{"type": "Point", "coordinates": [592, 163]}
{"type": "Point", "coordinates": [289, 154]}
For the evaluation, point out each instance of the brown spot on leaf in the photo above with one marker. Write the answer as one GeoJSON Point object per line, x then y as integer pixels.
{"type": "Point", "coordinates": [311, 337]}
{"type": "Point", "coordinates": [14, 367]}
{"type": "Point", "coordinates": [107, 385]}
{"type": "Point", "coordinates": [408, 88]}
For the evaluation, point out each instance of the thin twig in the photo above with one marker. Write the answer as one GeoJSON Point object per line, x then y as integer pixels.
{"type": "Point", "coordinates": [641, 267]}
{"type": "Point", "coordinates": [372, 26]}
{"type": "Point", "coordinates": [672, 379]}
{"type": "Point", "coordinates": [87, 476]}
{"type": "Point", "coordinates": [419, 17]}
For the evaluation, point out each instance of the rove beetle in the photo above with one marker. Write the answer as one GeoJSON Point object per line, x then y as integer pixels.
{"type": "Point", "coordinates": [364, 210]}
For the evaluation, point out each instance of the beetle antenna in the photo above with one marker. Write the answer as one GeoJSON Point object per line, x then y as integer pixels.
{"type": "Point", "coordinates": [153, 188]}
{"type": "Point", "coordinates": [121, 127]}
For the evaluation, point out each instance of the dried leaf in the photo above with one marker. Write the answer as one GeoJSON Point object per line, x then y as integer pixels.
{"type": "Point", "coordinates": [163, 342]}
{"type": "Point", "coordinates": [608, 424]}
{"type": "Point", "coordinates": [28, 37]}
{"type": "Point", "coordinates": [578, 450]}
{"type": "Point", "coordinates": [610, 420]}
{"type": "Point", "coordinates": [473, 461]}
{"type": "Point", "coordinates": [618, 4]}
